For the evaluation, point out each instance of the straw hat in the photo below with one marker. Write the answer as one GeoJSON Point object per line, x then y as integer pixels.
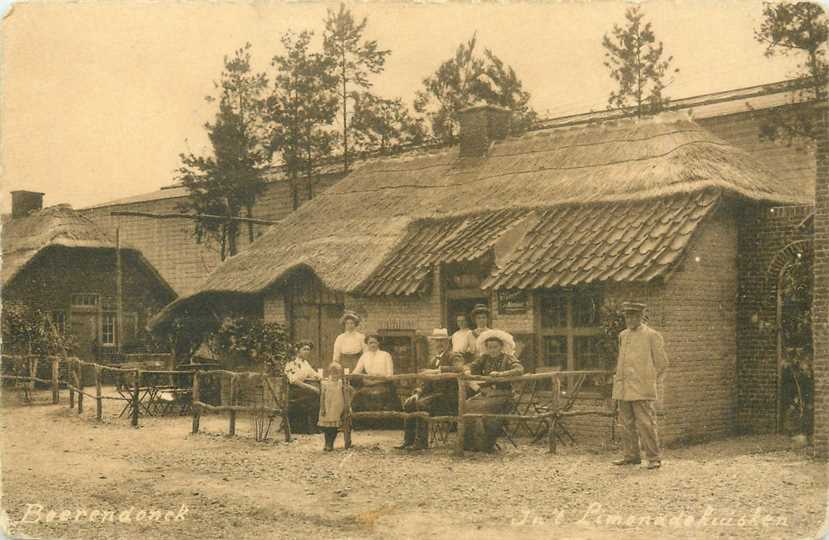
{"type": "Point", "coordinates": [504, 337]}
{"type": "Point", "coordinates": [439, 333]}
{"type": "Point", "coordinates": [348, 314]}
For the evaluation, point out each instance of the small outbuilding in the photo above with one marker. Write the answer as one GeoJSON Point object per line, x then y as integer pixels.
{"type": "Point", "coordinates": [60, 262]}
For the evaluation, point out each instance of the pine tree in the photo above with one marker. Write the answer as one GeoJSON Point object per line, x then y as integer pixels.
{"type": "Point", "coordinates": [384, 125]}
{"type": "Point", "coordinates": [228, 182]}
{"type": "Point", "coordinates": [468, 78]}
{"type": "Point", "coordinates": [302, 108]}
{"type": "Point", "coordinates": [354, 60]}
{"type": "Point", "coordinates": [634, 59]}
{"type": "Point", "coordinates": [796, 29]}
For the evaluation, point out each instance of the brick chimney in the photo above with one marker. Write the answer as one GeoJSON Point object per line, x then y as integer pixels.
{"type": "Point", "coordinates": [26, 202]}
{"type": "Point", "coordinates": [480, 126]}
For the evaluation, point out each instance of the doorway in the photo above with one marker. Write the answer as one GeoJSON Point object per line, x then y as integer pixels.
{"type": "Point", "coordinates": [795, 356]}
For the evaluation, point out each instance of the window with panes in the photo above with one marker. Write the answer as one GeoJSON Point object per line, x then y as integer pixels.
{"type": "Point", "coordinates": [570, 329]}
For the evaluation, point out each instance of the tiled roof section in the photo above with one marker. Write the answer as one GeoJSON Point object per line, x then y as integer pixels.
{"type": "Point", "coordinates": [430, 242]}
{"type": "Point", "coordinates": [620, 242]}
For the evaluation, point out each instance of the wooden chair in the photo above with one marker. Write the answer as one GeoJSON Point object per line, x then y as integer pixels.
{"type": "Point", "coordinates": [439, 431]}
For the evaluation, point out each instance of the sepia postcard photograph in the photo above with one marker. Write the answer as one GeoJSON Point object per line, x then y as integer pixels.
{"type": "Point", "coordinates": [463, 270]}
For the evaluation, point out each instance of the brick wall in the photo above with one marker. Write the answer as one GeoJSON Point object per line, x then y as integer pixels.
{"type": "Point", "coordinates": [763, 232]}
{"type": "Point", "coordinates": [275, 307]}
{"type": "Point", "coordinates": [794, 164]}
{"type": "Point", "coordinates": [421, 313]}
{"type": "Point", "coordinates": [820, 302]}
{"type": "Point", "coordinates": [698, 315]}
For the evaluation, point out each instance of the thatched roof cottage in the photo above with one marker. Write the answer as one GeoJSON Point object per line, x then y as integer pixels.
{"type": "Point", "coordinates": [58, 261]}
{"type": "Point", "coordinates": [545, 228]}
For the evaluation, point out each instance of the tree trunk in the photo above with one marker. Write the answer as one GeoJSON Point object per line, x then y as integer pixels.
{"type": "Point", "coordinates": [345, 114]}
{"type": "Point", "coordinates": [251, 231]}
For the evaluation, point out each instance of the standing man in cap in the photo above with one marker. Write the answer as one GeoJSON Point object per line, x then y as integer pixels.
{"type": "Point", "coordinates": [480, 316]}
{"type": "Point", "coordinates": [462, 338]}
{"type": "Point", "coordinates": [642, 362]}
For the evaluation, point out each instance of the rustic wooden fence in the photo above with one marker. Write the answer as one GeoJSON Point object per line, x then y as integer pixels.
{"type": "Point", "coordinates": [275, 398]}
{"type": "Point", "coordinates": [136, 383]}
{"type": "Point", "coordinates": [552, 416]}
{"type": "Point", "coordinates": [263, 409]}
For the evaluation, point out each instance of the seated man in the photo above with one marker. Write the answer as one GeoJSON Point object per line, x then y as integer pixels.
{"type": "Point", "coordinates": [304, 401]}
{"type": "Point", "coordinates": [438, 398]}
{"type": "Point", "coordinates": [494, 398]}
{"type": "Point", "coordinates": [373, 394]}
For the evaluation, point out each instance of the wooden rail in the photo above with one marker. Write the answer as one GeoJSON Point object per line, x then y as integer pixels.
{"type": "Point", "coordinates": [553, 416]}
{"type": "Point", "coordinates": [198, 406]}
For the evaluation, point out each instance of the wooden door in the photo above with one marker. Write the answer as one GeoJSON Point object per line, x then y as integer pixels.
{"type": "Point", "coordinates": [84, 326]}
{"type": "Point", "coordinates": [329, 330]}
{"type": "Point", "coordinates": [306, 327]}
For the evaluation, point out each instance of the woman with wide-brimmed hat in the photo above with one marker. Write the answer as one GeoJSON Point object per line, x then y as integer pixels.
{"type": "Point", "coordinates": [494, 398]}
{"type": "Point", "coordinates": [351, 344]}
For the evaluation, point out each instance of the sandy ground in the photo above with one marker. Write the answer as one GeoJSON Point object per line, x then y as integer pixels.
{"type": "Point", "coordinates": [213, 486]}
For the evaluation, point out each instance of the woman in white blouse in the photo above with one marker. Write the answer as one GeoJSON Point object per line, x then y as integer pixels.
{"type": "Point", "coordinates": [350, 345]}
{"type": "Point", "coordinates": [375, 395]}
{"type": "Point", "coordinates": [374, 362]}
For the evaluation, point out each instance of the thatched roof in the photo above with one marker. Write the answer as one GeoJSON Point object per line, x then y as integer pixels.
{"type": "Point", "coordinates": [25, 237]}
{"type": "Point", "coordinates": [350, 232]}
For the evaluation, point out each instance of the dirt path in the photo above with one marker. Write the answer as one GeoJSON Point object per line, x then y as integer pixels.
{"type": "Point", "coordinates": [235, 488]}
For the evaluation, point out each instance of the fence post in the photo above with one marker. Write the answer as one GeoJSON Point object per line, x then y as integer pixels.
{"type": "Point", "coordinates": [136, 404]}
{"type": "Point", "coordinates": [231, 429]}
{"type": "Point", "coordinates": [32, 372]}
{"type": "Point", "coordinates": [55, 380]}
{"type": "Point", "coordinates": [286, 423]}
{"type": "Point", "coordinates": [551, 434]}
{"type": "Point", "coordinates": [70, 374]}
{"type": "Point", "coordinates": [79, 384]}
{"type": "Point", "coordinates": [194, 408]}
{"type": "Point", "coordinates": [461, 430]}
{"type": "Point", "coordinates": [98, 400]}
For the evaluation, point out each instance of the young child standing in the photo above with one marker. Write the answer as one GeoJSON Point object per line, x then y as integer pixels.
{"type": "Point", "coordinates": [335, 400]}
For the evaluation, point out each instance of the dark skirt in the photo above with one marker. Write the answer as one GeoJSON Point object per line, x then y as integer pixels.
{"type": "Point", "coordinates": [349, 361]}
{"type": "Point", "coordinates": [377, 397]}
{"type": "Point", "coordinates": [304, 408]}
{"type": "Point", "coordinates": [481, 434]}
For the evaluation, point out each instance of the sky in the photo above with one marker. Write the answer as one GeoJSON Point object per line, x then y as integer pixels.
{"type": "Point", "coordinates": [97, 100]}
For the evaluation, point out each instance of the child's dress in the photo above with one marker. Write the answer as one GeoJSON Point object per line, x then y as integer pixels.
{"type": "Point", "coordinates": [334, 398]}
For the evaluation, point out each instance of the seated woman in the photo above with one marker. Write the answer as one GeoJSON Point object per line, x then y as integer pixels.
{"type": "Point", "coordinates": [494, 398]}
{"type": "Point", "coordinates": [303, 406]}
{"type": "Point", "coordinates": [373, 394]}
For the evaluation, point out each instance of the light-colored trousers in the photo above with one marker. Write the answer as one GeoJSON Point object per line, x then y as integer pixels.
{"type": "Point", "coordinates": [639, 419]}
